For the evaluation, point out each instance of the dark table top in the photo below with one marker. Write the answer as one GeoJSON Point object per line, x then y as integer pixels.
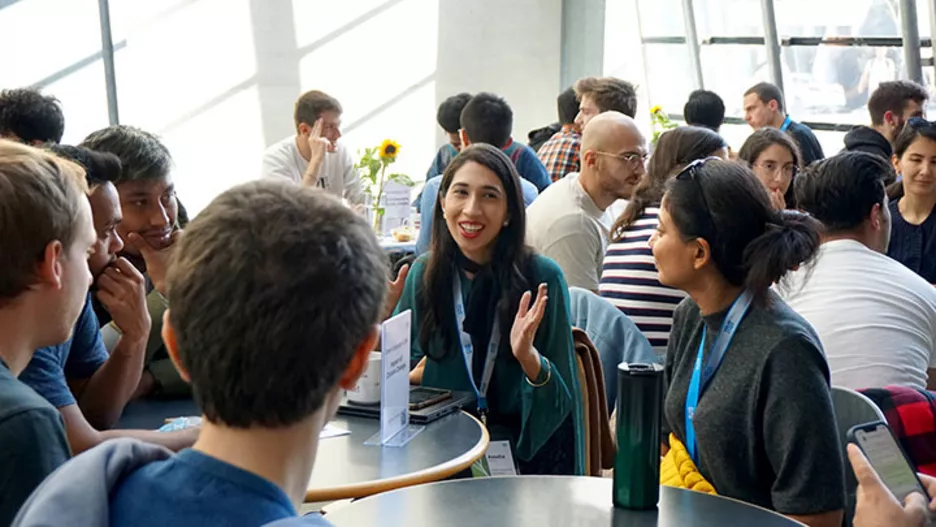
{"type": "Point", "coordinates": [347, 468]}
{"type": "Point", "coordinates": [543, 501]}
{"type": "Point", "coordinates": [150, 414]}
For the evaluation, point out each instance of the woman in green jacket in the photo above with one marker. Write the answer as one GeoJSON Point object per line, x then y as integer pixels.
{"type": "Point", "coordinates": [474, 324]}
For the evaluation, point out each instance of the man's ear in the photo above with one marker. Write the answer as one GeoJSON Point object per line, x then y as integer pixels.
{"type": "Point", "coordinates": [876, 217]}
{"type": "Point", "coordinates": [304, 129]}
{"type": "Point", "coordinates": [49, 270]}
{"type": "Point", "coordinates": [889, 118]}
{"type": "Point", "coordinates": [465, 140]}
{"type": "Point", "coordinates": [589, 158]}
{"type": "Point", "coordinates": [172, 347]}
{"type": "Point", "coordinates": [359, 361]}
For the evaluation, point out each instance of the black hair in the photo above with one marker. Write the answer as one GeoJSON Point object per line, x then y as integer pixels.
{"type": "Point", "coordinates": [752, 245]}
{"type": "Point", "coordinates": [840, 191]}
{"type": "Point", "coordinates": [100, 167]}
{"type": "Point", "coordinates": [142, 155]}
{"type": "Point", "coordinates": [31, 116]}
{"type": "Point", "coordinates": [675, 149]}
{"type": "Point", "coordinates": [510, 263]}
{"type": "Point", "coordinates": [267, 319]}
{"type": "Point", "coordinates": [915, 128]}
{"type": "Point", "coordinates": [568, 106]}
{"type": "Point", "coordinates": [767, 92]}
{"type": "Point", "coordinates": [892, 96]}
{"type": "Point", "coordinates": [487, 118]}
{"type": "Point", "coordinates": [706, 109]}
{"type": "Point", "coordinates": [764, 138]}
{"type": "Point", "coordinates": [449, 114]}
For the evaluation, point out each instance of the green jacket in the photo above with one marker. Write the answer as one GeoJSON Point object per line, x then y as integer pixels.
{"type": "Point", "coordinates": [539, 410]}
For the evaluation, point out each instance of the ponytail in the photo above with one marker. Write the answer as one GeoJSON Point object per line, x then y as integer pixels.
{"type": "Point", "coordinates": [790, 239]}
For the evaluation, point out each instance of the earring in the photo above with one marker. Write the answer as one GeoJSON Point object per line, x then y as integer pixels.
{"type": "Point", "coordinates": [506, 223]}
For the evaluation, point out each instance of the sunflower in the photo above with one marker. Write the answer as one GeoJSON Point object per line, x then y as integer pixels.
{"type": "Point", "coordinates": [389, 149]}
{"type": "Point", "coordinates": [656, 109]}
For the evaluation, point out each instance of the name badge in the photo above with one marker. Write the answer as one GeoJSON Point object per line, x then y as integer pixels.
{"type": "Point", "coordinates": [500, 459]}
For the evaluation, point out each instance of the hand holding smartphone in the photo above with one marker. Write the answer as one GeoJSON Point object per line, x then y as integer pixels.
{"type": "Point", "coordinates": [888, 460]}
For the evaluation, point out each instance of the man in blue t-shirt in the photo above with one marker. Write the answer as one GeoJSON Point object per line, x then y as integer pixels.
{"type": "Point", "coordinates": [269, 332]}
{"type": "Point", "coordinates": [486, 118]}
{"type": "Point", "coordinates": [89, 387]}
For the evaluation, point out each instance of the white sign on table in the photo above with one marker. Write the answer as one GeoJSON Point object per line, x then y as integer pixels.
{"type": "Point", "coordinates": [397, 207]}
{"type": "Point", "coordinates": [395, 429]}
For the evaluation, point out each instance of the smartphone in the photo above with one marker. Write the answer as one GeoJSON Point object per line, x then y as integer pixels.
{"type": "Point", "coordinates": [887, 458]}
{"type": "Point", "coordinates": [424, 396]}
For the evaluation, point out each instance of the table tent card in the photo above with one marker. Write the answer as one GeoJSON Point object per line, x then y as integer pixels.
{"type": "Point", "coordinates": [395, 428]}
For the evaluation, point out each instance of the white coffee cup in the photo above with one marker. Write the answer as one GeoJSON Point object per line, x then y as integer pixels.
{"type": "Point", "coordinates": [367, 389]}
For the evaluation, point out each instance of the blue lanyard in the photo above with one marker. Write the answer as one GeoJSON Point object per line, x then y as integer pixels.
{"type": "Point", "coordinates": [786, 124]}
{"type": "Point", "coordinates": [468, 348]}
{"type": "Point", "coordinates": [700, 376]}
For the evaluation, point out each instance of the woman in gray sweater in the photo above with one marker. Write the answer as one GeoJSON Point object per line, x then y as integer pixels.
{"type": "Point", "coordinates": [747, 371]}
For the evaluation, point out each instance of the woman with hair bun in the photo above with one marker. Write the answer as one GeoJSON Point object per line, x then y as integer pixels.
{"type": "Point", "coordinates": [748, 386]}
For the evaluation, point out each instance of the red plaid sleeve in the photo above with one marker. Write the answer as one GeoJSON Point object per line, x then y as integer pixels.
{"type": "Point", "coordinates": [560, 154]}
{"type": "Point", "coordinates": [911, 414]}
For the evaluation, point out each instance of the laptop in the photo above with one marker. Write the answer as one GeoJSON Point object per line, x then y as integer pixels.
{"type": "Point", "coordinates": [426, 415]}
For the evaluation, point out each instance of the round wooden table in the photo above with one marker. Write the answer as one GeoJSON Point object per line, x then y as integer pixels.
{"type": "Point", "coordinates": [347, 468]}
{"type": "Point", "coordinates": [543, 501]}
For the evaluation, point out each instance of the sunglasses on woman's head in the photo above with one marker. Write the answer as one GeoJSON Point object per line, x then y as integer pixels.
{"type": "Point", "coordinates": [691, 172]}
{"type": "Point", "coordinates": [919, 122]}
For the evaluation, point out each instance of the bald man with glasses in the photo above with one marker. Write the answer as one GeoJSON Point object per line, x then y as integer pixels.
{"type": "Point", "coordinates": [570, 221]}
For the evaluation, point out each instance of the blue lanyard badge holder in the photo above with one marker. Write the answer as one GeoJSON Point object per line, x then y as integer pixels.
{"type": "Point", "coordinates": [702, 376]}
{"type": "Point", "coordinates": [467, 349]}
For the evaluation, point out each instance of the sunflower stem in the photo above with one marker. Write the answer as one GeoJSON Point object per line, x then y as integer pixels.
{"type": "Point", "coordinates": [378, 210]}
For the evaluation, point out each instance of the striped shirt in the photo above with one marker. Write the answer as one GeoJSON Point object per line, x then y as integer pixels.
{"type": "Point", "coordinates": [629, 280]}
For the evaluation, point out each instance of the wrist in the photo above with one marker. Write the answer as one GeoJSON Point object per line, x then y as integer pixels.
{"type": "Point", "coordinates": [530, 362]}
{"type": "Point", "coordinates": [131, 342]}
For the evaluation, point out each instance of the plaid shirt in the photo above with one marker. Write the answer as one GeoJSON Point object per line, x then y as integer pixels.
{"type": "Point", "coordinates": [560, 154]}
{"type": "Point", "coordinates": [911, 414]}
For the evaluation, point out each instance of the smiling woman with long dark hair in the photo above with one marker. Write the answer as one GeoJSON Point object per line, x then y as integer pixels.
{"type": "Point", "coordinates": [471, 297]}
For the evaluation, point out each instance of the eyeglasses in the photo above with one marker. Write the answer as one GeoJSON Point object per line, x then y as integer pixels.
{"type": "Point", "coordinates": [692, 172]}
{"type": "Point", "coordinates": [631, 158]}
{"type": "Point", "coordinates": [789, 171]}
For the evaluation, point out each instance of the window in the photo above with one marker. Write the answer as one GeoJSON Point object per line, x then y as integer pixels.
{"type": "Point", "coordinates": [68, 66]}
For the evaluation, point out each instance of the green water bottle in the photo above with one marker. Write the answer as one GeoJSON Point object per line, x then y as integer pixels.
{"type": "Point", "coordinates": [639, 410]}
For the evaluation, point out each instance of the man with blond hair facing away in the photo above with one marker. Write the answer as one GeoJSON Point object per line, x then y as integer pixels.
{"type": "Point", "coordinates": [46, 233]}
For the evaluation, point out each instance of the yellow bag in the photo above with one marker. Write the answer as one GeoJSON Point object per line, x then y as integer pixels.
{"type": "Point", "coordinates": [678, 470]}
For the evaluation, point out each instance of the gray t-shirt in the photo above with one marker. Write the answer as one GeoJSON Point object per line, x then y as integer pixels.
{"type": "Point", "coordinates": [32, 443]}
{"type": "Point", "coordinates": [765, 426]}
{"type": "Point", "coordinates": [566, 226]}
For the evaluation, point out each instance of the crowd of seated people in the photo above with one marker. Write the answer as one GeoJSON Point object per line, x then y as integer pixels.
{"type": "Point", "coordinates": [822, 268]}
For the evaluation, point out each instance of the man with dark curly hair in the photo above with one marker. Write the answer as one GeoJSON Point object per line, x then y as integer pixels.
{"type": "Point", "coordinates": [30, 117]}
